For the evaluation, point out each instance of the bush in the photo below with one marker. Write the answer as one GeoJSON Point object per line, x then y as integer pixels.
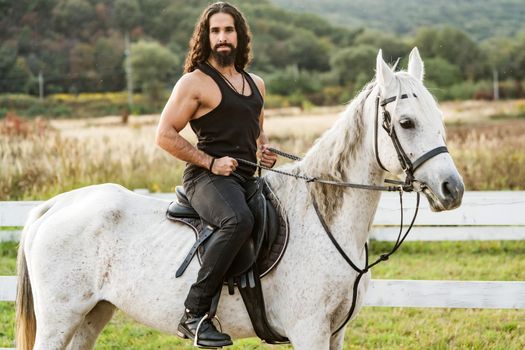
{"type": "Point", "coordinates": [466, 90]}
{"type": "Point", "coordinates": [511, 89]}
{"type": "Point", "coordinates": [83, 105]}
{"type": "Point", "coordinates": [293, 81]}
{"type": "Point", "coordinates": [442, 72]}
{"type": "Point", "coordinates": [17, 101]}
{"type": "Point", "coordinates": [276, 101]}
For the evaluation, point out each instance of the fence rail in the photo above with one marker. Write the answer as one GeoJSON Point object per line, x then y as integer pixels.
{"type": "Point", "coordinates": [409, 293]}
{"type": "Point", "coordinates": [491, 215]}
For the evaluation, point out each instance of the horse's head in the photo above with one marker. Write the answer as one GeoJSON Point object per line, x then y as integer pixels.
{"type": "Point", "coordinates": [410, 133]}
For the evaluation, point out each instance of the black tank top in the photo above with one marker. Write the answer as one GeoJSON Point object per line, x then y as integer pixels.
{"type": "Point", "coordinates": [232, 128]}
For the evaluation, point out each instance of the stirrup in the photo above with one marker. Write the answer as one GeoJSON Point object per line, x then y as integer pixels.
{"type": "Point", "coordinates": [205, 317]}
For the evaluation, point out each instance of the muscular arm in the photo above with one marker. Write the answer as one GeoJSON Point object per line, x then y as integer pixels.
{"type": "Point", "coordinates": [180, 108]}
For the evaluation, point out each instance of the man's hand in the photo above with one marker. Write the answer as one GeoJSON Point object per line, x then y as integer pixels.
{"type": "Point", "coordinates": [224, 166]}
{"type": "Point", "coordinates": [267, 157]}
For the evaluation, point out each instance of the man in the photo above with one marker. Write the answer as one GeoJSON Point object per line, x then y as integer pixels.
{"type": "Point", "coordinates": [223, 105]}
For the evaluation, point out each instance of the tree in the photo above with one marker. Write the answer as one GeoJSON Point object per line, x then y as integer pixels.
{"type": "Point", "coordinates": [441, 72]}
{"type": "Point", "coordinates": [19, 76]}
{"type": "Point", "coordinates": [393, 47]}
{"type": "Point", "coordinates": [454, 46]}
{"type": "Point", "coordinates": [499, 52]}
{"type": "Point", "coordinates": [8, 53]}
{"type": "Point", "coordinates": [518, 57]}
{"type": "Point", "coordinates": [349, 62]}
{"type": "Point", "coordinates": [75, 17]}
{"type": "Point", "coordinates": [153, 68]}
{"type": "Point", "coordinates": [82, 67]}
{"type": "Point", "coordinates": [127, 14]}
{"type": "Point", "coordinates": [308, 52]}
{"type": "Point", "coordinates": [108, 58]}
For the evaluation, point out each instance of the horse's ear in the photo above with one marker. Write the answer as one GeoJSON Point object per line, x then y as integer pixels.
{"type": "Point", "coordinates": [384, 75]}
{"type": "Point", "coordinates": [416, 68]}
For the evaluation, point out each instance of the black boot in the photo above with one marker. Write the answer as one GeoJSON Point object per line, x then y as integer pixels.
{"type": "Point", "coordinates": [208, 336]}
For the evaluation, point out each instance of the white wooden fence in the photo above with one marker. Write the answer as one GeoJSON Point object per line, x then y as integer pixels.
{"type": "Point", "coordinates": [482, 216]}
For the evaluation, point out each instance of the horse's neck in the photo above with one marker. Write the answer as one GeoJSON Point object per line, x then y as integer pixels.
{"type": "Point", "coordinates": [343, 153]}
{"type": "Point", "coordinates": [351, 224]}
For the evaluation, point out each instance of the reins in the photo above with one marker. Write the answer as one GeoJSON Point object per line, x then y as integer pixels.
{"type": "Point", "coordinates": [409, 185]}
{"type": "Point", "coordinates": [311, 179]}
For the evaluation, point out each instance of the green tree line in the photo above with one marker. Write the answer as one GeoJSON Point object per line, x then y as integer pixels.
{"type": "Point", "coordinates": [78, 46]}
{"type": "Point", "coordinates": [481, 19]}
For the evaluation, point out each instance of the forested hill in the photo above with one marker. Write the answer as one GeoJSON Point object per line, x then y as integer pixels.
{"type": "Point", "coordinates": [79, 44]}
{"type": "Point", "coordinates": [481, 19]}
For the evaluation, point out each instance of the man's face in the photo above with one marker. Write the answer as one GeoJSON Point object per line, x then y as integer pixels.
{"type": "Point", "coordinates": [223, 38]}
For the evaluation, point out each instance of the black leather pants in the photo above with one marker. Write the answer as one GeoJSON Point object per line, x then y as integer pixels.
{"type": "Point", "coordinates": [220, 201]}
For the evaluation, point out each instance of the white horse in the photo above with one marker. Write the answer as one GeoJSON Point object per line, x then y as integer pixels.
{"type": "Point", "coordinates": [87, 252]}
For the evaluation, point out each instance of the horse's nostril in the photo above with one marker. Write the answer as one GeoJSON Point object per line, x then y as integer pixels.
{"type": "Point", "coordinates": [447, 190]}
{"type": "Point", "coordinates": [452, 191]}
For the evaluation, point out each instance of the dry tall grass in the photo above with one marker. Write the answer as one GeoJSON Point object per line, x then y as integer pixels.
{"type": "Point", "coordinates": [42, 160]}
{"type": "Point", "coordinates": [37, 166]}
{"type": "Point", "coordinates": [490, 156]}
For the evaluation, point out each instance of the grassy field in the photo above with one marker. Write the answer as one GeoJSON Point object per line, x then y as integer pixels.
{"type": "Point", "coordinates": [375, 328]}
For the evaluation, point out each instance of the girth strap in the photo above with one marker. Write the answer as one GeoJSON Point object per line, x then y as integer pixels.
{"type": "Point", "coordinates": [205, 234]}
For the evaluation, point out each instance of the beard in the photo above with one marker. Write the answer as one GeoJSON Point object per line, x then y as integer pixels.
{"type": "Point", "coordinates": [224, 58]}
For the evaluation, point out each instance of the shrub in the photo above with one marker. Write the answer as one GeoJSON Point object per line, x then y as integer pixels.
{"type": "Point", "coordinates": [463, 91]}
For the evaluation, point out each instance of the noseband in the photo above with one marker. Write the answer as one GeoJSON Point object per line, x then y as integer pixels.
{"type": "Point", "coordinates": [407, 165]}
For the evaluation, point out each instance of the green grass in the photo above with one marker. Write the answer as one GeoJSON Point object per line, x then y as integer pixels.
{"type": "Point", "coordinates": [374, 328]}
{"type": "Point", "coordinates": [8, 258]}
{"type": "Point", "coordinates": [473, 260]}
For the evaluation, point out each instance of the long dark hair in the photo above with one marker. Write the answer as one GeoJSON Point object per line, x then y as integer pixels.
{"type": "Point", "coordinates": [200, 48]}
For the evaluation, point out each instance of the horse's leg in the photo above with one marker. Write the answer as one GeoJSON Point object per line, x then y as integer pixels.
{"type": "Point", "coordinates": [55, 328]}
{"type": "Point", "coordinates": [60, 309]}
{"type": "Point", "coordinates": [86, 335]}
{"type": "Point", "coordinates": [310, 333]}
{"type": "Point", "coordinates": [337, 341]}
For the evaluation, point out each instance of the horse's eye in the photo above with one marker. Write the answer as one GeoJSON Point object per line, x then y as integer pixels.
{"type": "Point", "coordinates": [407, 124]}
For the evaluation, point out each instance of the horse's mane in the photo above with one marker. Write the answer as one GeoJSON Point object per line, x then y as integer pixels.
{"type": "Point", "coordinates": [331, 155]}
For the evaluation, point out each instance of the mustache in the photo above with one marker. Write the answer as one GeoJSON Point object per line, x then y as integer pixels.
{"type": "Point", "coordinates": [216, 47]}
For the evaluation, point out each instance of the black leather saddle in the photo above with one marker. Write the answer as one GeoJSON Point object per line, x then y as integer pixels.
{"type": "Point", "coordinates": [258, 256]}
{"type": "Point", "coordinates": [266, 245]}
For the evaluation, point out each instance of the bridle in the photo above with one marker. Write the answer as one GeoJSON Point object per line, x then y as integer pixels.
{"type": "Point", "coordinates": [409, 185]}
{"type": "Point", "coordinates": [407, 165]}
